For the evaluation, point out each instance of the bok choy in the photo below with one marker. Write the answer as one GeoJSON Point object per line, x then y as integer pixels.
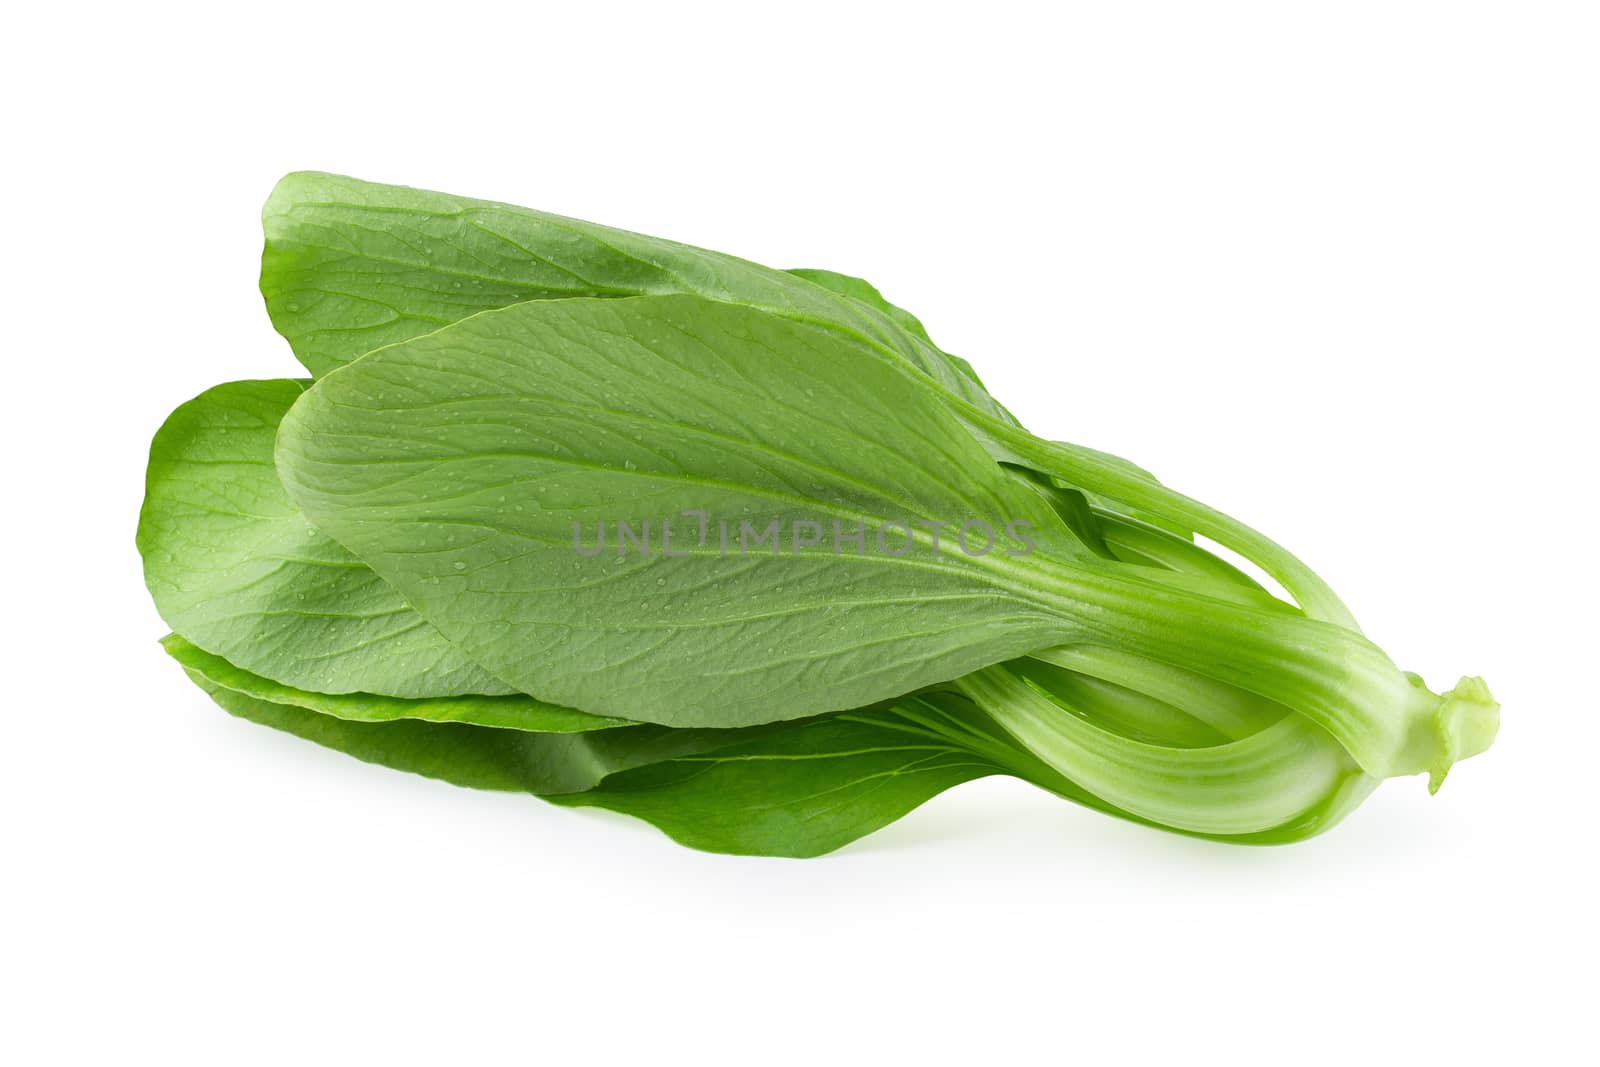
{"type": "Point", "coordinates": [628, 524]}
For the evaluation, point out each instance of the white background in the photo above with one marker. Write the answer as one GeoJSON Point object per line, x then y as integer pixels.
{"type": "Point", "coordinates": [1333, 268]}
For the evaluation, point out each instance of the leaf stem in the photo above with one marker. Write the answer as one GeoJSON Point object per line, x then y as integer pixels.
{"type": "Point", "coordinates": [1092, 471]}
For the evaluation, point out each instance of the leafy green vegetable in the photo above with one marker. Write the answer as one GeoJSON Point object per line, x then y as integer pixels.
{"type": "Point", "coordinates": [392, 561]}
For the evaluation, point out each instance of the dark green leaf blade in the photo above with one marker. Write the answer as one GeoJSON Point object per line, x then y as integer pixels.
{"type": "Point", "coordinates": [803, 789]}
{"type": "Point", "coordinates": [464, 754]}
{"type": "Point", "coordinates": [476, 757]}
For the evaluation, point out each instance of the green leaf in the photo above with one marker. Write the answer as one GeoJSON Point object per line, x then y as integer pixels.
{"type": "Point", "coordinates": [474, 756]}
{"type": "Point", "coordinates": [863, 291]}
{"type": "Point", "coordinates": [510, 712]}
{"type": "Point", "coordinates": [460, 464]}
{"type": "Point", "coordinates": [350, 266]}
{"type": "Point", "coordinates": [802, 789]}
{"type": "Point", "coordinates": [237, 570]}
{"type": "Point", "coordinates": [859, 289]}
{"type": "Point", "coordinates": [479, 757]}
